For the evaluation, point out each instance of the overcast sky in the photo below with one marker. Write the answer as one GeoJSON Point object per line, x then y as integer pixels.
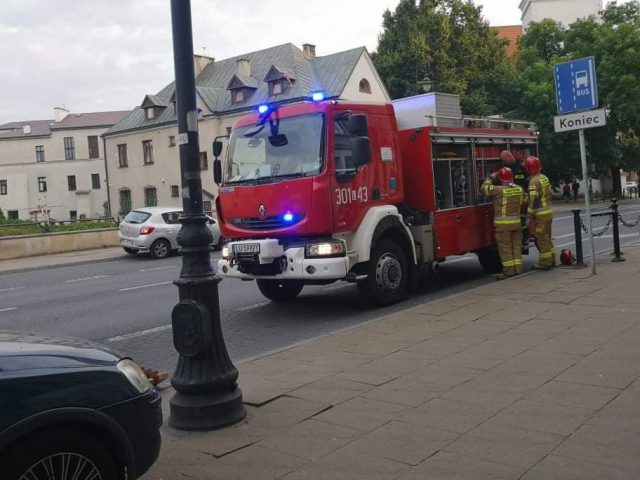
{"type": "Point", "coordinates": [97, 55]}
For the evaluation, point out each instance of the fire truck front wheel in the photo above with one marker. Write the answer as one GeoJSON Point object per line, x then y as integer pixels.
{"type": "Point", "coordinates": [387, 274]}
{"type": "Point", "coordinates": [280, 290]}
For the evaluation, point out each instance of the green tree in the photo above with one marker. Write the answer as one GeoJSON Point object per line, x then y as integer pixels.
{"type": "Point", "coordinates": [614, 40]}
{"type": "Point", "coordinates": [3, 219]}
{"type": "Point", "coordinates": [615, 43]}
{"type": "Point", "coordinates": [449, 43]}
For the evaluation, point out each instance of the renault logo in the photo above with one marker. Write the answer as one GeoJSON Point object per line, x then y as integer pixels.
{"type": "Point", "coordinates": [262, 211]}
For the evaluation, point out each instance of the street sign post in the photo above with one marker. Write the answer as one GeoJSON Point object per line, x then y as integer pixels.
{"type": "Point", "coordinates": [577, 91]}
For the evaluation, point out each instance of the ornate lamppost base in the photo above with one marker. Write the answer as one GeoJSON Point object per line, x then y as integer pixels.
{"type": "Point", "coordinates": [206, 411]}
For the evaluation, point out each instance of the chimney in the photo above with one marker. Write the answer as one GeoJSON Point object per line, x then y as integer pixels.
{"type": "Point", "coordinates": [199, 62]}
{"type": "Point", "coordinates": [308, 50]}
{"type": "Point", "coordinates": [59, 114]}
{"type": "Point", "coordinates": [244, 66]}
{"type": "Point", "coordinates": [26, 129]}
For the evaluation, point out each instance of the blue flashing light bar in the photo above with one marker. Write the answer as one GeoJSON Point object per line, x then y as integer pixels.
{"type": "Point", "coordinates": [263, 108]}
{"type": "Point", "coordinates": [317, 96]}
{"type": "Point", "coordinates": [287, 217]}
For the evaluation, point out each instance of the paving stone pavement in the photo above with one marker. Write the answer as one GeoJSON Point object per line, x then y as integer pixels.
{"type": "Point", "coordinates": [536, 377]}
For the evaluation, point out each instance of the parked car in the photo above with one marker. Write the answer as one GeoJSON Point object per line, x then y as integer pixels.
{"type": "Point", "coordinates": [72, 409]}
{"type": "Point", "coordinates": [154, 230]}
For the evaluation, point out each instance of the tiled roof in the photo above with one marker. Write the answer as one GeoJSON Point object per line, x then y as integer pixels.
{"type": "Point", "coordinates": [15, 129]}
{"type": "Point", "coordinates": [86, 120]}
{"type": "Point", "coordinates": [329, 73]}
{"type": "Point", "coordinates": [512, 33]}
{"type": "Point", "coordinates": [40, 128]}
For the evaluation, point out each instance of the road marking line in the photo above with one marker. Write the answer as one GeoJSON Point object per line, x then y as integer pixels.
{"type": "Point", "coordinates": [85, 278]}
{"type": "Point", "coordinates": [139, 333]}
{"type": "Point", "coordinates": [11, 289]}
{"type": "Point", "coordinates": [251, 307]}
{"type": "Point", "coordinates": [144, 286]}
{"type": "Point", "coordinates": [157, 268]}
{"type": "Point", "coordinates": [8, 309]}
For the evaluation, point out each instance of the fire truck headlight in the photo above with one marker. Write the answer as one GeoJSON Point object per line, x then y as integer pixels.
{"type": "Point", "coordinates": [226, 252]}
{"type": "Point", "coordinates": [335, 248]}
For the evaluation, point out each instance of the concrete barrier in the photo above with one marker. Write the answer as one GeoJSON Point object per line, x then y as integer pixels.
{"type": "Point", "coordinates": [48, 243]}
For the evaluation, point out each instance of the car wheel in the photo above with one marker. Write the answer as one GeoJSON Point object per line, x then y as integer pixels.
{"type": "Point", "coordinates": [387, 274]}
{"type": "Point", "coordinates": [280, 290]}
{"type": "Point", "coordinates": [130, 251]}
{"type": "Point", "coordinates": [160, 249]}
{"type": "Point", "coordinates": [490, 260]}
{"type": "Point", "coordinates": [60, 454]}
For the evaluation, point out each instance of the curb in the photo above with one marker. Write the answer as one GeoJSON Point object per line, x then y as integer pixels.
{"type": "Point", "coordinates": [60, 265]}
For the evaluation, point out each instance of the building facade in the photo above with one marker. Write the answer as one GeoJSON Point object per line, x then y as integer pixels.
{"type": "Point", "coordinates": [54, 169]}
{"type": "Point", "coordinates": [142, 157]}
{"type": "Point", "coordinates": [563, 11]}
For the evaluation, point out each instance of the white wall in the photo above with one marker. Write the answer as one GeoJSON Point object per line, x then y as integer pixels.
{"type": "Point", "coordinates": [563, 11]}
{"type": "Point", "coordinates": [19, 167]}
{"type": "Point", "coordinates": [364, 69]}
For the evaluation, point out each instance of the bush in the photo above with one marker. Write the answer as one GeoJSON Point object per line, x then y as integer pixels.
{"type": "Point", "coordinates": [26, 228]}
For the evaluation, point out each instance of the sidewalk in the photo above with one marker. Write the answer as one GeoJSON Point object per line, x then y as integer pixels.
{"type": "Point", "coordinates": [60, 259]}
{"type": "Point", "coordinates": [536, 377]}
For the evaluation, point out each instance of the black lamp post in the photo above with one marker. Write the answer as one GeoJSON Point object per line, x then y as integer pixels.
{"type": "Point", "coordinates": [207, 395]}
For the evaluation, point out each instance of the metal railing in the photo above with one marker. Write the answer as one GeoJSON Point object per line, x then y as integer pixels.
{"type": "Point", "coordinates": [615, 219]}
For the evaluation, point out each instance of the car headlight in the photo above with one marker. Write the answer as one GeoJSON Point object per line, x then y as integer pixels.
{"type": "Point", "coordinates": [135, 375]}
{"type": "Point", "coordinates": [335, 248]}
{"type": "Point", "coordinates": [226, 252]}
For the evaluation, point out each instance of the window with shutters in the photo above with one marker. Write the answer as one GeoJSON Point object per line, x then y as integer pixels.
{"type": "Point", "coordinates": [69, 148]}
{"type": "Point", "coordinates": [147, 149]}
{"type": "Point", "coordinates": [150, 197]}
{"type": "Point", "coordinates": [94, 150]}
{"type": "Point", "coordinates": [125, 201]}
{"type": "Point", "coordinates": [123, 160]}
{"type": "Point", "coordinates": [71, 183]}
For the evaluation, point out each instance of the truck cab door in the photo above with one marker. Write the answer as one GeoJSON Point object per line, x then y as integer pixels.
{"type": "Point", "coordinates": [354, 190]}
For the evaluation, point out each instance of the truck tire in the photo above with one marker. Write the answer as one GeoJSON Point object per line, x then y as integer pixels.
{"type": "Point", "coordinates": [280, 290]}
{"type": "Point", "coordinates": [387, 274]}
{"type": "Point", "coordinates": [490, 260]}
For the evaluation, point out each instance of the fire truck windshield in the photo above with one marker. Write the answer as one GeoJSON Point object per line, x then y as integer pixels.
{"type": "Point", "coordinates": [259, 156]}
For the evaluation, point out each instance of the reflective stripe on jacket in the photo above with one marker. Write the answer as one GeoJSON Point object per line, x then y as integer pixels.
{"type": "Point", "coordinates": [540, 196]}
{"type": "Point", "coordinates": [507, 202]}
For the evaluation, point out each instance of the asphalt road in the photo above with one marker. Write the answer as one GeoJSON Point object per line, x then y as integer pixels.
{"type": "Point", "coordinates": [126, 303]}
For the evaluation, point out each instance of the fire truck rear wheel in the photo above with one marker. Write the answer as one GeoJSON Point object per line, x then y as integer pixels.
{"type": "Point", "coordinates": [387, 274]}
{"type": "Point", "coordinates": [280, 290]}
{"type": "Point", "coordinates": [490, 260]}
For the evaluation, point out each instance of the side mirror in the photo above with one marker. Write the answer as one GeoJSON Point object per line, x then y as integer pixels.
{"type": "Point", "coordinates": [278, 140]}
{"type": "Point", "coordinates": [217, 171]}
{"type": "Point", "coordinates": [357, 124]}
{"type": "Point", "coordinates": [360, 151]}
{"type": "Point", "coordinates": [217, 148]}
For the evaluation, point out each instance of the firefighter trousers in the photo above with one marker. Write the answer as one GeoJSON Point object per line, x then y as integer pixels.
{"type": "Point", "coordinates": [509, 242]}
{"type": "Point", "coordinates": [544, 243]}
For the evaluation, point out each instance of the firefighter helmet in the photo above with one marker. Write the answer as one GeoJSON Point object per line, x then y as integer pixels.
{"type": "Point", "coordinates": [505, 175]}
{"type": "Point", "coordinates": [566, 257]}
{"type": "Point", "coordinates": [532, 165]}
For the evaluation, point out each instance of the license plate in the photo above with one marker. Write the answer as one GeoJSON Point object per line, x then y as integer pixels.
{"type": "Point", "coordinates": [246, 248]}
{"type": "Point", "coordinates": [126, 242]}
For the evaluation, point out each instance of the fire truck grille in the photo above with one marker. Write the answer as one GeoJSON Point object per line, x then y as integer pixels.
{"type": "Point", "coordinates": [268, 223]}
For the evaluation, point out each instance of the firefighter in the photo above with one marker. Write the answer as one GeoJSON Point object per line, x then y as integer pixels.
{"type": "Point", "coordinates": [507, 202]}
{"type": "Point", "coordinates": [540, 213]}
{"type": "Point", "coordinates": [520, 179]}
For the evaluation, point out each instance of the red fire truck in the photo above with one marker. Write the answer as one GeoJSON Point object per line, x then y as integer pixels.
{"type": "Point", "coordinates": [375, 194]}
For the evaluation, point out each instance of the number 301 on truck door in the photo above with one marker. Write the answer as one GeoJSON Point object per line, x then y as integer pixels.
{"type": "Point", "coordinates": [345, 196]}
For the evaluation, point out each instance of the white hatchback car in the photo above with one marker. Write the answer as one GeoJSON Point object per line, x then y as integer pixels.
{"type": "Point", "coordinates": [154, 230]}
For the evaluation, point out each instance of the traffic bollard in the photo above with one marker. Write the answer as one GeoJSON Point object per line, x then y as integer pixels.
{"type": "Point", "coordinates": [616, 232]}
{"type": "Point", "coordinates": [577, 226]}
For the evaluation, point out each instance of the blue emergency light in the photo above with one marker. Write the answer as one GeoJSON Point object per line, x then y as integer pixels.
{"type": "Point", "coordinates": [287, 217]}
{"type": "Point", "coordinates": [317, 96]}
{"type": "Point", "coordinates": [263, 108]}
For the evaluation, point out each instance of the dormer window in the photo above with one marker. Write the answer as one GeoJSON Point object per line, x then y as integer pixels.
{"type": "Point", "coordinates": [238, 95]}
{"type": "Point", "coordinates": [149, 113]}
{"type": "Point", "coordinates": [153, 106]}
{"type": "Point", "coordinates": [279, 80]}
{"type": "Point", "coordinates": [276, 88]}
{"type": "Point", "coordinates": [365, 86]}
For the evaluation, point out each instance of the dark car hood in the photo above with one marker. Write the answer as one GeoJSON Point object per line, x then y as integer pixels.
{"type": "Point", "coordinates": [25, 351]}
